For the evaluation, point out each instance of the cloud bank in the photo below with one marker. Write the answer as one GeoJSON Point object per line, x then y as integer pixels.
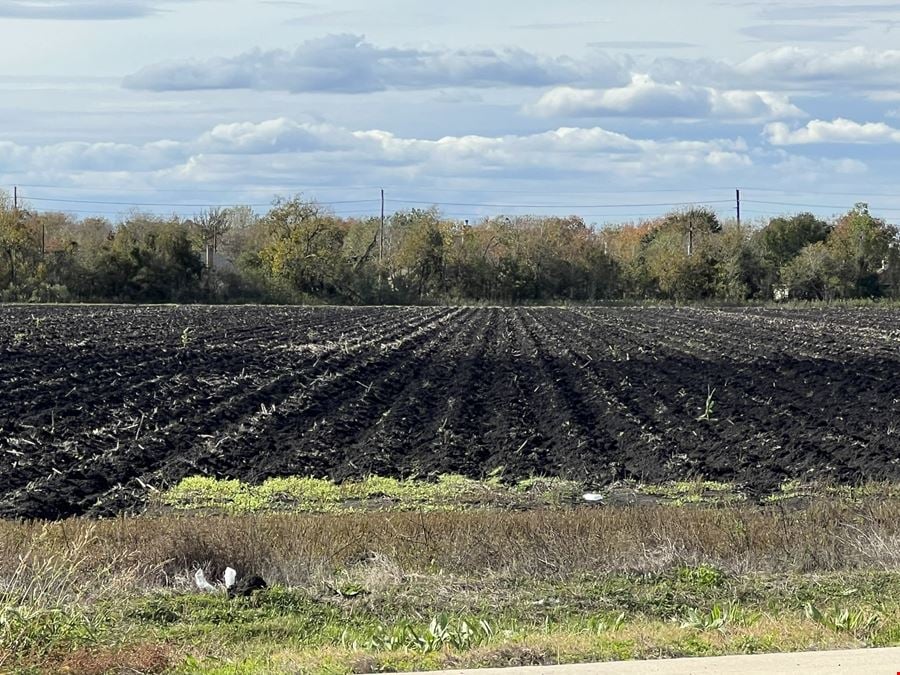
{"type": "Point", "coordinates": [294, 146]}
{"type": "Point", "coordinates": [600, 83]}
{"type": "Point", "coordinates": [839, 130]}
{"type": "Point", "coordinates": [350, 64]}
{"type": "Point", "coordinates": [644, 97]}
{"type": "Point", "coordinates": [79, 10]}
{"type": "Point", "coordinates": [858, 67]}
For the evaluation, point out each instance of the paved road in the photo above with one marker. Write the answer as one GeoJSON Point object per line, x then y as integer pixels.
{"type": "Point", "coordinates": [856, 662]}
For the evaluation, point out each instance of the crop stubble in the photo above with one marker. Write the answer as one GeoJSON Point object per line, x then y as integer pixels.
{"type": "Point", "coordinates": [99, 402]}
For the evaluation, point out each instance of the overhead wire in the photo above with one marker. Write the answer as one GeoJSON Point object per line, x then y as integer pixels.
{"type": "Point", "coordinates": [808, 206]}
{"type": "Point", "coordinates": [372, 188]}
{"type": "Point", "coordinates": [606, 210]}
{"type": "Point", "coordinates": [563, 206]}
{"type": "Point", "coordinates": [181, 204]}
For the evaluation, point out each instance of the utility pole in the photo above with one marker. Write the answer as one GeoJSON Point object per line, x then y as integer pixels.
{"type": "Point", "coordinates": [15, 197]}
{"type": "Point", "coordinates": [381, 231]}
{"type": "Point", "coordinates": [690, 234]}
{"type": "Point", "coordinates": [738, 202]}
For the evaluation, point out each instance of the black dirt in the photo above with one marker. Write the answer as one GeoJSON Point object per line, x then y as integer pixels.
{"type": "Point", "coordinates": [101, 404]}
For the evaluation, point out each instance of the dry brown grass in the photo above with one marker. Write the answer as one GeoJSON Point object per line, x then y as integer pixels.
{"type": "Point", "coordinates": [53, 579]}
{"type": "Point", "coordinates": [62, 582]}
{"type": "Point", "coordinates": [829, 535]}
{"type": "Point", "coordinates": [136, 659]}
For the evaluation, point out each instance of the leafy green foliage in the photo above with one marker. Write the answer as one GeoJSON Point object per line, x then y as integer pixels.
{"type": "Point", "coordinates": [441, 633]}
{"type": "Point", "coordinates": [448, 492]}
{"type": "Point", "coordinates": [783, 238]}
{"type": "Point", "coordinates": [719, 616]}
{"type": "Point", "coordinates": [710, 405]}
{"type": "Point", "coordinates": [305, 247]}
{"type": "Point", "coordinates": [300, 252]}
{"type": "Point", "coordinates": [859, 622]}
{"type": "Point", "coordinates": [703, 576]}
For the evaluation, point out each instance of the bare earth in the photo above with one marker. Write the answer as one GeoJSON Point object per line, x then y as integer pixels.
{"type": "Point", "coordinates": [101, 401]}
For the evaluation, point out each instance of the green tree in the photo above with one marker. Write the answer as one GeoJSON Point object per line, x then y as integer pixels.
{"type": "Point", "coordinates": [740, 269]}
{"type": "Point", "coordinates": [783, 238]}
{"type": "Point", "coordinates": [210, 228]}
{"type": "Point", "coordinates": [860, 243]}
{"type": "Point", "coordinates": [361, 252]}
{"type": "Point", "coordinates": [626, 246]}
{"type": "Point", "coordinates": [678, 255]}
{"type": "Point", "coordinates": [17, 247]}
{"type": "Point", "coordinates": [150, 259]}
{"type": "Point", "coordinates": [71, 248]}
{"type": "Point", "coordinates": [305, 248]}
{"type": "Point", "coordinates": [472, 261]}
{"type": "Point", "coordinates": [813, 274]}
{"type": "Point", "coordinates": [415, 241]}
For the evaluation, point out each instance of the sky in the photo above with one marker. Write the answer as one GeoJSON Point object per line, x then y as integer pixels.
{"type": "Point", "coordinates": [612, 111]}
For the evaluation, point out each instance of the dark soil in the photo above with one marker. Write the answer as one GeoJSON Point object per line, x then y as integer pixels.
{"type": "Point", "coordinates": [98, 403]}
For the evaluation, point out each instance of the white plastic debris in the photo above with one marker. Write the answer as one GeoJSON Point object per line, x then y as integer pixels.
{"type": "Point", "coordinates": [230, 577]}
{"type": "Point", "coordinates": [592, 497]}
{"type": "Point", "coordinates": [202, 583]}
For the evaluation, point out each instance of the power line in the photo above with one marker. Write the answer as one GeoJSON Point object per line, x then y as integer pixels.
{"type": "Point", "coordinates": [811, 192]}
{"type": "Point", "coordinates": [233, 190]}
{"type": "Point", "coordinates": [178, 204]}
{"type": "Point", "coordinates": [602, 210]}
{"type": "Point", "coordinates": [556, 205]}
{"type": "Point", "coordinates": [368, 188]}
{"type": "Point", "coordinates": [406, 188]}
{"type": "Point", "coordinates": [810, 206]}
{"type": "Point", "coordinates": [121, 211]}
{"type": "Point", "coordinates": [560, 206]}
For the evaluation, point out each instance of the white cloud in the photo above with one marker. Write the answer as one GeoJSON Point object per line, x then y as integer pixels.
{"type": "Point", "coordinates": [350, 64]}
{"type": "Point", "coordinates": [858, 66]}
{"type": "Point", "coordinates": [644, 97]}
{"type": "Point", "coordinates": [79, 10]}
{"type": "Point", "coordinates": [270, 136]}
{"type": "Point", "coordinates": [83, 156]}
{"type": "Point", "coordinates": [301, 149]}
{"type": "Point", "coordinates": [839, 130]}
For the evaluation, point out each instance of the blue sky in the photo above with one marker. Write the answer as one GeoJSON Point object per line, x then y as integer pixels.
{"type": "Point", "coordinates": [615, 111]}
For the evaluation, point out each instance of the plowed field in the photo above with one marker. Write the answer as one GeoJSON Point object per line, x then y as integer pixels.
{"type": "Point", "coordinates": [98, 402]}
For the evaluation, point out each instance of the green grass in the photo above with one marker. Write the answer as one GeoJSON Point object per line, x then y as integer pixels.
{"type": "Point", "coordinates": [312, 495]}
{"type": "Point", "coordinates": [441, 621]}
{"type": "Point", "coordinates": [458, 493]}
{"type": "Point", "coordinates": [446, 493]}
{"type": "Point", "coordinates": [680, 493]}
{"type": "Point", "coordinates": [392, 575]}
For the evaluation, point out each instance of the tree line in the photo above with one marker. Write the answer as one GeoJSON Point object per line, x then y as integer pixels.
{"type": "Point", "coordinates": [301, 252]}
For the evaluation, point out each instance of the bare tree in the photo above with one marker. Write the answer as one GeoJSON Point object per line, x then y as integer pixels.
{"type": "Point", "coordinates": [212, 225]}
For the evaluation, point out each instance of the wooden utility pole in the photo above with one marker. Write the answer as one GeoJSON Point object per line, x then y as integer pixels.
{"type": "Point", "coordinates": [738, 202]}
{"type": "Point", "coordinates": [15, 197]}
{"type": "Point", "coordinates": [690, 234]}
{"type": "Point", "coordinates": [381, 231]}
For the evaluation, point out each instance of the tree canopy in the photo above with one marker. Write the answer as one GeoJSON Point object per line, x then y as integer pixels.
{"type": "Point", "coordinates": [299, 251]}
